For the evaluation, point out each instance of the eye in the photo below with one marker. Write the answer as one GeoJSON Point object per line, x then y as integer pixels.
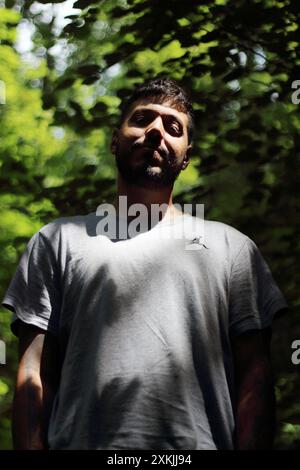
{"type": "Point", "coordinates": [139, 118]}
{"type": "Point", "coordinates": [175, 128]}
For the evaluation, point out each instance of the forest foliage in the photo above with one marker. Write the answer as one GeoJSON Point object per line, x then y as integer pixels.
{"type": "Point", "coordinates": [239, 60]}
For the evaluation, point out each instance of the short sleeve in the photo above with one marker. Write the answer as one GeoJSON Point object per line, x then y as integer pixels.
{"type": "Point", "coordinates": [34, 291]}
{"type": "Point", "coordinates": [254, 297]}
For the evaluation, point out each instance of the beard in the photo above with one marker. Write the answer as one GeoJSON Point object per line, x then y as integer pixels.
{"type": "Point", "coordinates": [144, 173]}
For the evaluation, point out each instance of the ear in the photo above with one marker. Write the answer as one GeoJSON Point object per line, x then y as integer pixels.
{"type": "Point", "coordinates": [114, 141]}
{"type": "Point", "coordinates": [186, 159]}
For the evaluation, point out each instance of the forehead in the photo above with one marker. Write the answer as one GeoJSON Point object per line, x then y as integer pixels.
{"type": "Point", "coordinates": [165, 108]}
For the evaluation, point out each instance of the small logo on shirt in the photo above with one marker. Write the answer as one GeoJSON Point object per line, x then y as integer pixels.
{"type": "Point", "coordinates": [195, 244]}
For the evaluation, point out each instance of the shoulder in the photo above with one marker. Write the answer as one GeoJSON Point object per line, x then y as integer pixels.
{"type": "Point", "coordinates": [66, 232]}
{"type": "Point", "coordinates": [225, 237]}
{"type": "Point", "coordinates": [67, 225]}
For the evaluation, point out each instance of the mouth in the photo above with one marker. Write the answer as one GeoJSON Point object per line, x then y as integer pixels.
{"type": "Point", "coordinates": [154, 154]}
{"type": "Point", "coordinates": [157, 156]}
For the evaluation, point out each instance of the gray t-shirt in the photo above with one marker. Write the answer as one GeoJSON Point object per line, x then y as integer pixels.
{"type": "Point", "coordinates": [145, 325]}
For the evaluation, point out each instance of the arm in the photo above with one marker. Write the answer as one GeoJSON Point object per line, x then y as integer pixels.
{"type": "Point", "coordinates": [36, 385]}
{"type": "Point", "coordinates": [255, 398]}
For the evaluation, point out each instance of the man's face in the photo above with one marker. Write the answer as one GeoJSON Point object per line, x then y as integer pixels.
{"type": "Point", "coordinates": [151, 147]}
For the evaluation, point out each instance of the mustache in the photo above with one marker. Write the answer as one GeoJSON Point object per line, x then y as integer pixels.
{"type": "Point", "coordinates": [162, 151]}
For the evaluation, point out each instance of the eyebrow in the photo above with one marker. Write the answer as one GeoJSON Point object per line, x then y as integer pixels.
{"type": "Point", "coordinates": [153, 111]}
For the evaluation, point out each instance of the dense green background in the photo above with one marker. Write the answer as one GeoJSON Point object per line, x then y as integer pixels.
{"type": "Point", "coordinates": [239, 59]}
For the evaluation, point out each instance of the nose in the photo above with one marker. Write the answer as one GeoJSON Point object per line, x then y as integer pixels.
{"type": "Point", "coordinates": [155, 132]}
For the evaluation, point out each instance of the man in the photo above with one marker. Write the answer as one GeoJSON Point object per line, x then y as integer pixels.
{"type": "Point", "coordinates": [141, 342]}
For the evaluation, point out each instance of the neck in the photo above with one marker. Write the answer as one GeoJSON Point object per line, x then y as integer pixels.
{"type": "Point", "coordinates": [147, 197]}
